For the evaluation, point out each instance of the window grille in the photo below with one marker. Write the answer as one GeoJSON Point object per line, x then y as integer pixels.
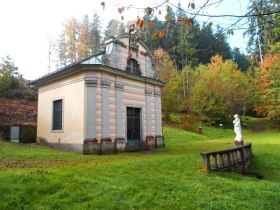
{"type": "Point", "coordinates": [57, 115]}
{"type": "Point", "coordinates": [133, 67]}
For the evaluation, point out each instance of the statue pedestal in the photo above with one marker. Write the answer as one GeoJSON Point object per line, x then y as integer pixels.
{"type": "Point", "coordinates": [238, 143]}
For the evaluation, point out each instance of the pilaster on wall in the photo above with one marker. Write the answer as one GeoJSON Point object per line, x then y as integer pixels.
{"type": "Point", "coordinates": [148, 93]}
{"type": "Point", "coordinates": [157, 95]}
{"type": "Point", "coordinates": [90, 132]}
{"type": "Point", "coordinates": [105, 85]}
{"type": "Point", "coordinates": [118, 55]}
{"type": "Point", "coordinates": [119, 112]}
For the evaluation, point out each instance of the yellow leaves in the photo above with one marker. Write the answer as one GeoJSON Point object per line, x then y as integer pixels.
{"type": "Point", "coordinates": [268, 62]}
{"type": "Point", "coordinates": [186, 22]}
{"type": "Point", "coordinates": [155, 35]}
{"type": "Point", "coordinates": [266, 87]}
{"type": "Point", "coordinates": [151, 24]}
{"type": "Point", "coordinates": [264, 79]}
{"type": "Point", "coordinates": [163, 64]}
{"type": "Point", "coordinates": [141, 23]}
{"type": "Point", "coordinates": [190, 21]}
{"type": "Point", "coordinates": [160, 53]}
{"type": "Point", "coordinates": [191, 51]}
{"type": "Point", "coordinates": [138, 21]}
{"type": "Point", "coordinates": [169, 19]}
{"type": "Point", "coordinates": [159, 34]}
{"type": "Point", "coordinates": [217, 59]}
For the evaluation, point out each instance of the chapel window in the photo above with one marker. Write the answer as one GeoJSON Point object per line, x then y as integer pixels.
{"type": "Point", "coordinates": [133, 67]}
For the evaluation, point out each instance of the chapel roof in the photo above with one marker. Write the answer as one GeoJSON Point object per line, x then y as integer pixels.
{"type": "Point", "coordinates": [98, 62]}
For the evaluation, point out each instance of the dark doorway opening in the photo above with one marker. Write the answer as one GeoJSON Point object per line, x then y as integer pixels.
{"type": "Point", "coordinates": [133, 129]}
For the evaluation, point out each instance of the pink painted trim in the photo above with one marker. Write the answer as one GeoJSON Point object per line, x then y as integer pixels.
{"type": "Point", "coordinates": [90, 74]}
{"type": "Point", "coordinates": [106, 140]}
{"type": "Point", "coordinates": [112, 109]}
{"type": "Point", "coordinates": [112, 119]}
{"type": "Point", "coordinates": [134, 96]}
{"type": "Point", "coordinates": [112, 94]}
{"type": "Point", "coordinates": [136, 92]}
{"type": "Point", "coordinates": [128, 98]}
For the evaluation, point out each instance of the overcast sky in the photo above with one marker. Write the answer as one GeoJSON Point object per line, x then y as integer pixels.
{"type": "Point", "coordinates": [27, 25]}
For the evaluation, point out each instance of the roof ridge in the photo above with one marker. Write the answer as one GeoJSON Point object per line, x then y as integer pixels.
{"type": "Point", "coordinates": [69, 65]}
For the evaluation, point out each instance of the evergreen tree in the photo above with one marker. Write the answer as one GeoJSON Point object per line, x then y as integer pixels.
{"type": "Point", "coordinates": [114, 28]}
{"type": "Point", "coordinates": [122, 28]}
{"type": "Point", "coordinates": [185, 47]}
{"type": "Point", "coordinates": [12, 85]}
{"type": "Point", "coordinates": [185, 41]}
{"type": "Point", "coordinates": [147, 33]}
{"type": "Point", "coordinates": [84, 39]}
{"type": "Point", "coordinates": [8, 75]}
{"type": "Point", "coordinates": [170, 39]}
{"type": "Point", "coordinates": [264, 30]}
{"type": "Point", "coordinates": [240, 59]}
{"type": "Point", "coordinates": [220, 45]}
{"type": "Point", "coordinates": [96, 36]}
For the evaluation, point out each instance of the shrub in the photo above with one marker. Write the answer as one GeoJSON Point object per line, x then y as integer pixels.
{"type": "Point", "coordinates": [189, 122]}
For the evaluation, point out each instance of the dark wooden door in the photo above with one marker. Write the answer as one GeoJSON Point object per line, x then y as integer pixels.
{"type": "Point", "coordinates": [133, 128]}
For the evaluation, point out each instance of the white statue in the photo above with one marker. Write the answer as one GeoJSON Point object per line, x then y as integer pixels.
{"type": "Point", "coordinates": [237, 128]}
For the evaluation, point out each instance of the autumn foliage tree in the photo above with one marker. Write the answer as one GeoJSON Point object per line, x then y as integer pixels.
{"type": "Point", "coordinates": [84, 39]}
{"type": "Point", "coordinates": [78, 40]}
{"type": "Point", "coordinates": [167, 72]}
{"type": "Point", "coordinates": [221, 90]}
{"type": "Point", "coordinates": [267, 88]}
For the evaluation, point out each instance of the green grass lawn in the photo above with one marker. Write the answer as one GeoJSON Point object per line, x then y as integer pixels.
{"type": "Point", "coordinates": [34, 177]}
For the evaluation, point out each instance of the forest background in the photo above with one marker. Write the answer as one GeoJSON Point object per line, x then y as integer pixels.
{"type": "Point", "coordinates": [204, 78]}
